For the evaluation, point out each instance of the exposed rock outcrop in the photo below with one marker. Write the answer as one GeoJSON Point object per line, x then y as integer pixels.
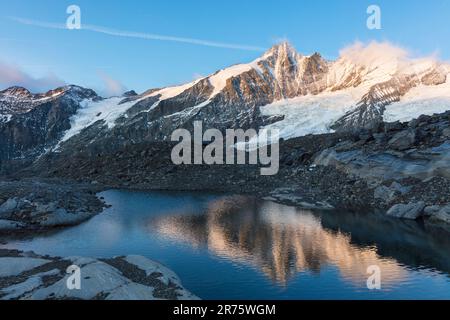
{"type": "Point", "coordinates": [32, 205]}
{"type": "Point", "coordinates": [27, 276]}
{"type": "Point", "coordinates": [410, 211]}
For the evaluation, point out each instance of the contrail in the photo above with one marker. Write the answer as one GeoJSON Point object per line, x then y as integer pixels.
{"type": "Point", "coordinates": [139, 35]}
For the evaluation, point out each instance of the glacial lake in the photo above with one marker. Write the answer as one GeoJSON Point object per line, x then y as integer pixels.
{"type": "Point", "coordinates": [235, 247]}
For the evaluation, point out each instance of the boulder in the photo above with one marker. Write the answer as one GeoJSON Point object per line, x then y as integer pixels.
{"type": "Point", "coordinates": [412, 210]}
{"type": "Point", "coordinates": [402, 140]}
{"type": "Point", "coordinates": [60, 217]}
{"type": "Point", "coordinates": [8, 207]}
{"type": "Point", "coordinates": [431, 210]}
{"type": "Point", "coordinates": [442, 215]}
{"type": "Point", "coordinates": [8, 225]}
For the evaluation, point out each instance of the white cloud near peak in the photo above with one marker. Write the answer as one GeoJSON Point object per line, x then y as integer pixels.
{"type": "Point", "coordinates": [13, 75]}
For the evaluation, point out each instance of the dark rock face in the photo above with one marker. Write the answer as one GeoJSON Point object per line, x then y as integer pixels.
{"type": "Point", "coordinates": [15, 100]}
{"type": "Point", "coordinates": [403, 140]}
{"type": "Point", "coordinates": [369, 111]}
{"type": "Point", "coordinates": [130, 93]}
{"type": "Point", "coordinates": [37, 122]}
{"type": "Point", "coordinates": [434, 77]}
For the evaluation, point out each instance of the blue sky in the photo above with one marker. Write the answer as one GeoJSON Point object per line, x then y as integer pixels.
{"type": "Point", "coordinates": [89, 58]}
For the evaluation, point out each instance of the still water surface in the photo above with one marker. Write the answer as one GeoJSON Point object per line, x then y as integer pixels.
{"type": "Point", "coordinates": [234, 247]}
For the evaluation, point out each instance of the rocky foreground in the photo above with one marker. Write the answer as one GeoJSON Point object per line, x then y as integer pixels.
{"type": "Point", "coordinates": [400, 169]}
{"type": "Point", "coordinates": [32, 205]}
{"type": "Point", "coordinates": [30, 276]}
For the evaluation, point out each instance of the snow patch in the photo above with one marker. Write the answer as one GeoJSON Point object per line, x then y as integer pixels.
{"type": "Point", "coordinates": [219, 80]}
{"type": "Point", "coordinates": [421, 100]}
{"type": "Point", "coordinates": [170, 92]}
{"type": "Point", "coordinates": [311, 114]}
{"type": "Point", "coordinates": [189, 111]}
{"type": "Point", "coordinates": [107, 110]}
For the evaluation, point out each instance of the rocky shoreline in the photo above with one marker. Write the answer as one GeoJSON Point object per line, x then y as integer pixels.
{"type": "Point", "coordinates": [32, 205]}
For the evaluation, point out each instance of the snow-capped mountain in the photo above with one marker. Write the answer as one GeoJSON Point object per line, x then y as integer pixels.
{"type": "Point", "coordinates": [18, 100]}
{"type": "Point", "coordinates": [282, 89]}
{"type": "Point", "coordinates": [297, 94]}
{"type": "Point", "coordinates": [30, 123]}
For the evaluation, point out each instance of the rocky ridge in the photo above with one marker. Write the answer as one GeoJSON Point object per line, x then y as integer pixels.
{"type": "Point", "coordinates": [35, 122]}
{"type": "Point", "coordinates": [72, 119]}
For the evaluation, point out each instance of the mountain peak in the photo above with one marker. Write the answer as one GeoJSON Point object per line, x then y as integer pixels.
{"type": "Point", "coordinates": [16, 91]}
{"type": "Point", "coordinates": [75, 90]}
{"type": "Point", "coordinates": [282, 49]}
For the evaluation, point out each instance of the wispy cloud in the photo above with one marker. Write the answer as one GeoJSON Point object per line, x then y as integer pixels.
{"type": "Point", "coordinates": [383, 54]}
{"type": "Point", "coordinates": [367, 53]}
{"type": "Point", "coordinates": [197, 76]}
{"type": "Point", "coordinates": [12, 75]}
{"type": "Point", "coordinates": [112, 87]}
{"type": "Point", "coordinates": [139, 35]}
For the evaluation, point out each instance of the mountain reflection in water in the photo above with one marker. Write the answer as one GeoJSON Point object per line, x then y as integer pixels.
{"type": "Point", "coordinates": [282, 241]}
{"type": "Point", "coordinates": [236, 247]}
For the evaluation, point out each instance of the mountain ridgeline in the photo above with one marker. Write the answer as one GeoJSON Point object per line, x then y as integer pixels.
{"type": "Point", "coordinates": [74, 119]}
